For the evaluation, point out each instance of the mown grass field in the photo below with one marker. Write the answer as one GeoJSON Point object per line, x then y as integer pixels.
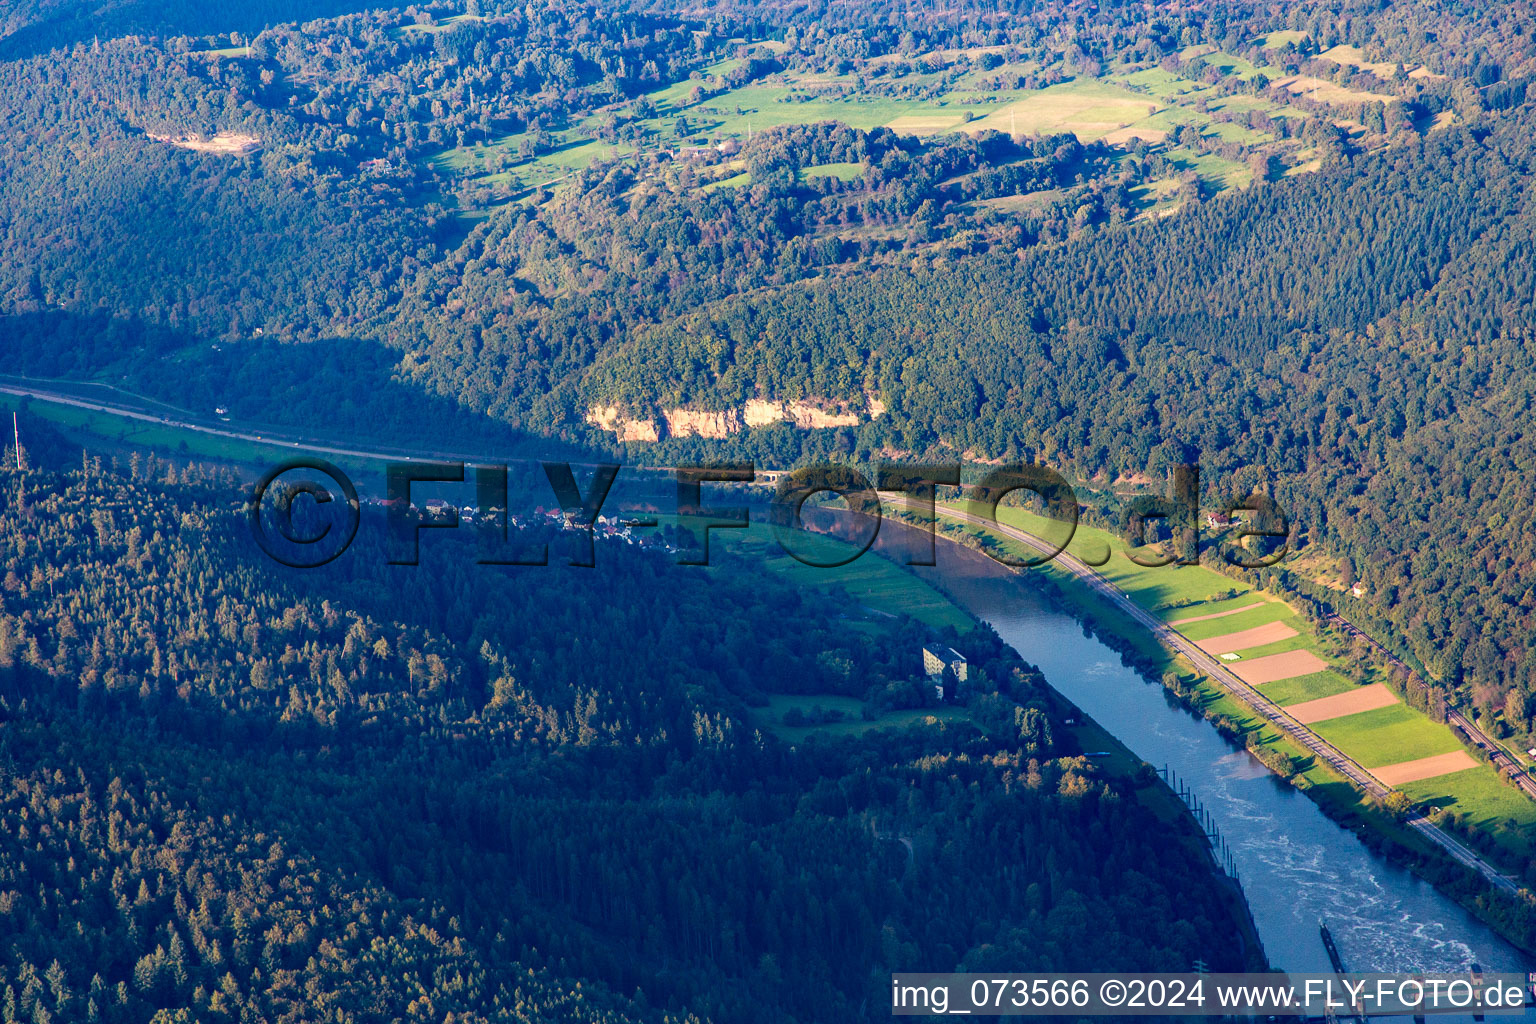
{"type": "Point", "coordinates": [1089, 108]}
{"type": "Point", "coordinates": [740, 180]}
{"type": "Point", "coordinates": [842, 171]}
{"type": "Point", "coordinates": [852, 723]}
{"type": "Point", "coordinates": [876, 584]}
{"type": "Point", "coordinates": [1388, 736]}
{"type": "Point", "coordinates": [1305, 688]}
{"type": "Point", "coordinates": [1476, 792]}
{"type": "Point", "coordinates": [1261, 613]}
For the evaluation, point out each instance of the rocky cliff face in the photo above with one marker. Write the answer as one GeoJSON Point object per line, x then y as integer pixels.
{"type": "Point", "coordinates": [606, 417]}
{"type": "Point", "coordinates": [692, 423]}
{"type": "Point", "coordinates": [807, 414]}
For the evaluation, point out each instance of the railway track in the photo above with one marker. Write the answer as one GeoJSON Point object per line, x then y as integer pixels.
{"type": "Point", "coordinates": [1308, 740]}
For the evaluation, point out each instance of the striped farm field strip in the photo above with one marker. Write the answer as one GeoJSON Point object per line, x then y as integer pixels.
{"type": "Point", "coordinates": [1217, 615]}
{"type": "Point", "coordinates": [1361, 698]}
{"type": "Point", "coordinates": [1258, 636]}
{"type": "Point", "coordinates": [1424, 768]}
{"type": "Point", "coordinates": [1278, 666]}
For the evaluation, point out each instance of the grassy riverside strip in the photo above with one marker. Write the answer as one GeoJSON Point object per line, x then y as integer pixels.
{"type": "Point", "coordinates": [1196, 591]}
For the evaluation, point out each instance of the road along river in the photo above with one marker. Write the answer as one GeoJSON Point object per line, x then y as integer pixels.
{"type": "Point", "coordinates": [1297, 866]}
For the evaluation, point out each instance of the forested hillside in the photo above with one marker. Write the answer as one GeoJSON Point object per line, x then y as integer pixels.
{"type": "Point", "coordinates": [470, 793]}
{"type": "Point", "coordinates": [1304, 262]}
{"type": "Point", "coordinates": [1291, 243]}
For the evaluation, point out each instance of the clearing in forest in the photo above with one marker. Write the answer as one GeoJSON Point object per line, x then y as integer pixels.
{"type": "Point", "coordinates": [1325, 91]}
{"type": "Point", "coordinates": [1088, 109]}
{"type": "Point", "coordinates": [224, 143]}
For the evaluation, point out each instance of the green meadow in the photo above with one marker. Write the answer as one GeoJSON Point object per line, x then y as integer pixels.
{"type": "Point", "coordinates": [1486, 801]}
{"type": "Point", "coordinates": [852, 722]}
{"type": "Point", "coordinates": [842, 171]}
{"type": "Point", "coordinates": [877, 584]}
{"type": "Point", "coordinates": [1373, 738]}
{"type": "Point", "coordinates": [1262, 615]}
{"type": "Point", "coordinates": [1305, 688]}
{"type": "Point", "coordinates": [1388, 736]}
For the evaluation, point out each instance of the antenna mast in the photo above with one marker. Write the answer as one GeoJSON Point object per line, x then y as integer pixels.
{"type": "Point", "coordinates": [16, 432]}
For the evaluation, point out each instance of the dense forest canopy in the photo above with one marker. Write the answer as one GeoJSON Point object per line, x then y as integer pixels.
{"type": "Point", "coordinates": [1289, 242]}
{"type": "Point", "coordinates": [370, 791]}
{"type": "Point", "coordinates": [1352, 337]}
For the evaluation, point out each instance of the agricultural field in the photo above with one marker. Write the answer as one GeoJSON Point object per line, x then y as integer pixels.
{"type": "Point", "coordinates": [1088, 108]}
{"type": "Point", "coordinates": [1125, 106]}
{"type": "Point", "coordinates": [1325, 91]}
{"type": "Point", "coordinates": [1300, 671]}
{"type": "Point", "coordinates": [1386, 736]}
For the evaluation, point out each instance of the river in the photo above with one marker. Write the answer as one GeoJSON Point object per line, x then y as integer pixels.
{"type": "Point", "coordinates": [1297, 866]}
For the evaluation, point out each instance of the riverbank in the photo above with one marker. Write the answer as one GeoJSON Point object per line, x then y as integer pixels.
{"type": "Point", "coordinates": [1334, 794]}
{"type": "Point", "coordinates": [880, 583]}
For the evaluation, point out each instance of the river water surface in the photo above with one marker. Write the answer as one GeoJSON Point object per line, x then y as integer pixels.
{"type": "Point", "coordinates": [1297, 866]}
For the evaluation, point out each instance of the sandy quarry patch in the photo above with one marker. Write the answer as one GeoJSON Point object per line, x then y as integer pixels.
{"type": "Point", "coordinates": [225, 143]}
{"type": "Point", "coordinates": [1424, 768]}
{"type": "Point", "coordinates": [1218, 615]}
{"type": "Point", "coordinates": [1362, 698]}
{"type": "Point", "coordinates": [1258, 636]}
{"type": "Point", "coordinates": [1278, 666]}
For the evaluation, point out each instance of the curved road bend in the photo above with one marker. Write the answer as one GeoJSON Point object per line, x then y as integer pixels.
{"type": "Point", "coordinates": [274, 440]}
{"type": "Point", "coordinates": [1172, 638]}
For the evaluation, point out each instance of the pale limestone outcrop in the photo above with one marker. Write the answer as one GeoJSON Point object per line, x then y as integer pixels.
{"type": "Point", "coordinates": [690, 423]}
{"type": "Point", "coordinates": [715, 424]}
{"type": "Point", "coordinates": [606, 417]}
{"type": "Point", "coordinates": [810, 417]}
{"type": "Point", "coordinates": [759, 413]}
